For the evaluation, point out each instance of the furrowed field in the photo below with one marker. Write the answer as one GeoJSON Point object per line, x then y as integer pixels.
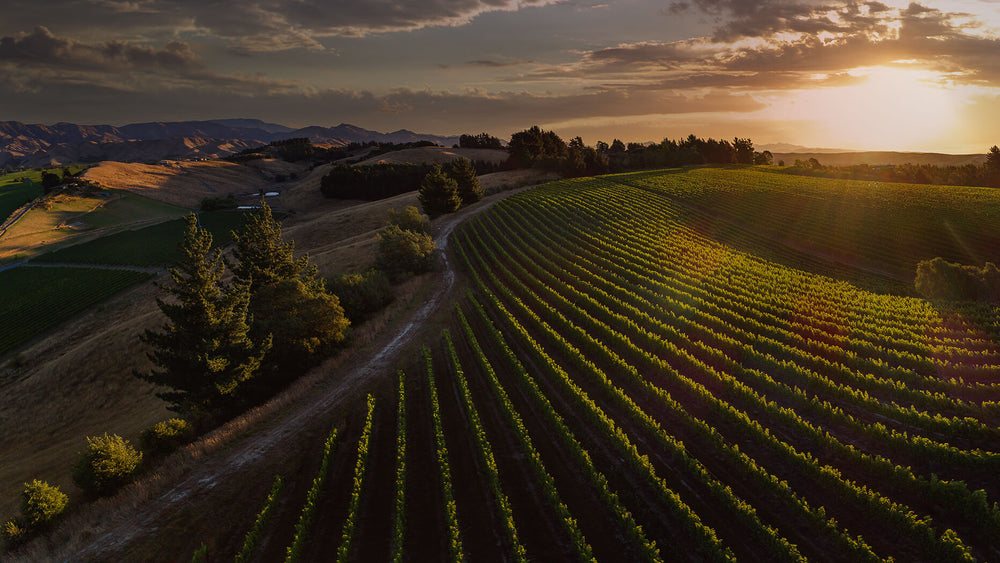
{"type": "Point", "coordinates": [671, 366]}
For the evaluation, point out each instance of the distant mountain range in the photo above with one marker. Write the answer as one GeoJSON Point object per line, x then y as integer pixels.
{"type": "Point", "coordinates": [23, 144]}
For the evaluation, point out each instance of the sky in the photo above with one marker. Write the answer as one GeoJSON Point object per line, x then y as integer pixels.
{"type": "Point", "coordinates": [855, 75]}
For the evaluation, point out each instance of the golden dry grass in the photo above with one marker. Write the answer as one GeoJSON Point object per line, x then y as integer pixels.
{"type": "Point", "coordinates": [75, 382]}
{"type": "Point", "coordinates": [179, 183]}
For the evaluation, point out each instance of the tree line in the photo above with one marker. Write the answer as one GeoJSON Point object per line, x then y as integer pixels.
{"type": "Point", "coordinates": [986, 174]}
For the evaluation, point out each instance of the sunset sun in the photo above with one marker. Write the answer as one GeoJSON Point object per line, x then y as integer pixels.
{"type": "Point", "coordinates": [890, 109]}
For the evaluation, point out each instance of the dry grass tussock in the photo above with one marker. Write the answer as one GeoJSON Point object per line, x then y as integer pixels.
{"type": "Point", "coordinates": [179, 183]}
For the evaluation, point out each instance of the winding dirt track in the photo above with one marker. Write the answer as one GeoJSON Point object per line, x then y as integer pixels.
{"type": "Point", "coordinates": [116, 531]}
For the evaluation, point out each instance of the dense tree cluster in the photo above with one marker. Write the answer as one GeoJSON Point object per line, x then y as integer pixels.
{"type": "Point", "coordinates": [438, 193]}
{"type": "Point", "coordinates": [544, 149]}
{"type": "Point", "coordinates": [465, 176]}
{"type": "Point", "coordinates": [204, 352]}
{"type": "Point", "coordinates": [691, 150]}
{"type": "Point", "coordinates": [480, 141]}
{"type": "Point", "coordinates": [987, 174]}
{"type": "Point", "coordinates": [377, 181]}
{"type": "Point", "coordinates": [227, 345]}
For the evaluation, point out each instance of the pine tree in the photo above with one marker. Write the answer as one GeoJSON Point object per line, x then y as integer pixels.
{"type": "Point", "coordinates": [464, 175]}
{"type": "Point", "coordinates": [288, 300]}
{"type": "Point", "coordinates": [438, 193]}
{"type": "Point", "coordinates": [992, 166]}
{"type": "Point", "coordinates": [204, 352]}
{"type": "Point", "coordinates": [262, 257]}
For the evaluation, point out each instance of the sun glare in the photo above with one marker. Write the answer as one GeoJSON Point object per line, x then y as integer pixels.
{"type": "Point", "coordinates": [892, 109]}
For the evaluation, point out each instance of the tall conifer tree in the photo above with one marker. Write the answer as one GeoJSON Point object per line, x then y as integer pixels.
{"type": "Point", "coordinates": [203, 353]}
{"type": "Point", "coordinates": [465, 176]}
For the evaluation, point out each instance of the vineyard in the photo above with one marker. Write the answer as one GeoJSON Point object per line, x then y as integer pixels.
{"type": "Point", "coordinates": [34, 300]}
{"type": "Point", "coordinates": [618, 385]}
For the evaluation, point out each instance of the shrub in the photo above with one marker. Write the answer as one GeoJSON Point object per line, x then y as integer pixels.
{"type": "Point", "coordinates": [362, 294]}
{"type": "Point", "coordinates": [41, 503]}
{"type": "Point", "coordinates": [166, 436]}
{"type": "Point", "coordinates": [402, 252]}
{"type": "Point", "coordinates": [409, 219]}
{"type": "Point", "coordinates": [217, 203]}
{"type": "Point", "coordinates": [438, 193]}
{"type": "Point", "coordinates": [939, 279]}
{"type": "Point", "coordinates": [13, 532]}
{"type": "Point", "coordinates": [108, 463]}
{"type": "Point", "coordinates": [305, 323]}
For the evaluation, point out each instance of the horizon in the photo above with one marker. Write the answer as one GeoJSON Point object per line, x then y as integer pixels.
{"type": "Point", "coordinates": [871, 76]}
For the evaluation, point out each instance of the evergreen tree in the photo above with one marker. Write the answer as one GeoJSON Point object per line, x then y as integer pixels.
{"type": "Point", "coordinates": [438, 193]}
{"type": "Point", "coordinates": [263, 257]}
{"type": "Point", "coordinates": [204, 352]}
{"type": "Point", "coordinates": [993, 166]}
{"type": "Point", "coordinates": [464, 175]}
{"type": "Point", "coordinates": [288, 300]}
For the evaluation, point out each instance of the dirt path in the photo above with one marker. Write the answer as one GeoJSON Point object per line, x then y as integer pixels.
{"type": "Point", "coordinates": [111, 533]}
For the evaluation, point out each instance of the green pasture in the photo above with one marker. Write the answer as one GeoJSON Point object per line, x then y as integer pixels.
{"type": "Point", "coordinates": [148, 246]}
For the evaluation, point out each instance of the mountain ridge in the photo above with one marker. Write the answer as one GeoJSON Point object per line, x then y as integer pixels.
{"type": "Point", "coordinates": [27, 144]}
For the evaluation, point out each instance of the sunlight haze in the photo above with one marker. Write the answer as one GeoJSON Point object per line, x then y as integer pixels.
{"type": "Point", "coordinates": [859, 75]}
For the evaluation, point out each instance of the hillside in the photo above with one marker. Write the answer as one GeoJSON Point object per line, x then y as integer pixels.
{"type": "Point", "coordinates": [436, 155]}
{"type": "Point", "coordinates": [179, 183]}
{"type": "Point", "coordinates": [24, 144]}
{"type": "Point", "coordinates": [881, 157]}
{"type": "Point", "coordinates": [721, 361]}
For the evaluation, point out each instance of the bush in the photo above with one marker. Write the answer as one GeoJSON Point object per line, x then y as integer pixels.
{"type": "Point", "coordinates": [464, 175]}
{"type": "Point", "coordinates": [438, 193]}
{"type": "Point", "coordinates": [409, 219]}
{"type": "Point", "coordinates": [217, 203]}
{"type": "Point", "coordinates": [305, 323]}
{"type": "Point", "coordinates": [362, 294]}
{"type": "Point", "coordinates": [402, 252]}
{"type": "Point", "coordinates": [166, 436]}
{"type": "Point", "coordinates": [13, 532]}
{"type": "Point", "coordinates": [108, 463]}
{"type": "Point", "coordinates": [939, 279]}
{"type": "Point", "coordinates": [41, 503]}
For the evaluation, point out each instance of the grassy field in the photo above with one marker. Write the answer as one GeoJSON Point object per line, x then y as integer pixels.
{"type": "Point", "coordinates": [66, 218]}
{"type": "Point", "coordinates": [624, 381]}
{"type": "Point", "coordinates": [14, 194]}
{"type": "Point", "coordinates": [34, 300]}
{"type": "Point", "coordinates": [149, 246]}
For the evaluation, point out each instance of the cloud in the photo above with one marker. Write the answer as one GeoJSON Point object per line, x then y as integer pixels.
{"type": "Point", "coordinates": [253, 26]}
{"type": "Point", "coordinates": [489, 63]}
{"type": "Point", "coordinates": [40, 60]}
{"type": "Point", "coordinates": [788, 54]}
{"type": "Point", "coordinates": [41, 48]}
